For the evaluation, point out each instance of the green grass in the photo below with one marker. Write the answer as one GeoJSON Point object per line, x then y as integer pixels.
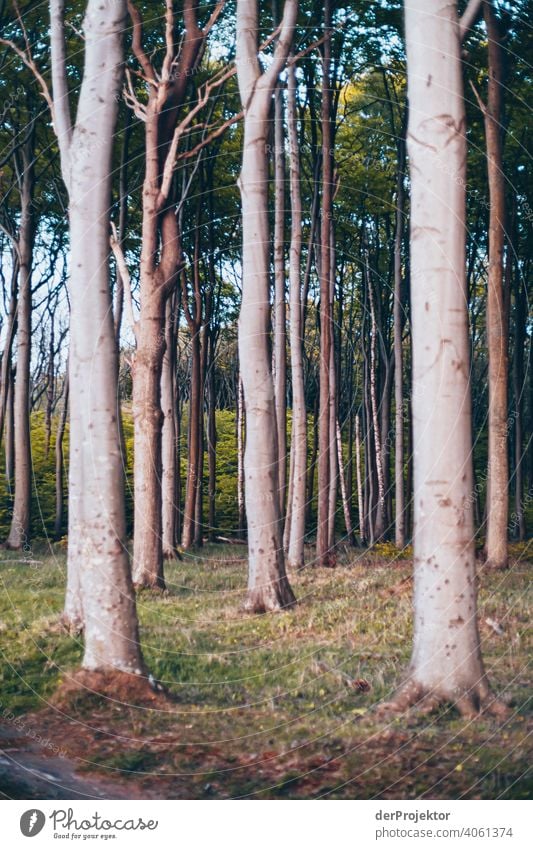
{"type": "Point", "coordinates": [261, 705]}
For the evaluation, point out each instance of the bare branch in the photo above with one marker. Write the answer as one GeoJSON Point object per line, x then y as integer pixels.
{"type": "Point", "coordinates": [123, 270]}
{"type": "Point", "coordinates": [479, 99]}
{"type": "Point", "coordinates": [214, 16]}
{"type": "Point", "coordinates": [131, 100]}
{"type": "Point", "coordinates": [188, 154]}
{"type": "Point", "coordinates": [169, 39]}
{"type": "Point", "coordinates": [28, 61]}
{"type": "Point", "coordinates": [180, 129]}
{"type": "Point", "coordinates": [469, 17]}
{"type": "Point", "coordinates": [136, 43]}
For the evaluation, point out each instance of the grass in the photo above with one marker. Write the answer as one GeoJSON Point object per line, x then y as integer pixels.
{"type": "Point", "coordinates": [266, 706]}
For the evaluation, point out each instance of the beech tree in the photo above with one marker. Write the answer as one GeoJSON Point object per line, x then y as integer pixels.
{"type": "Point", "coordinates": [446, 663]}
{"type": "Point", "coordinates": [268, 584]}
{"type": "Point", "coordinates": [296, 506]}
{"type": "Point", "coordinates": [23, 242]}
{"type": "Point", "coordinates": [99, 591]}
{"type": "Point", "coordinates": [497, 318]}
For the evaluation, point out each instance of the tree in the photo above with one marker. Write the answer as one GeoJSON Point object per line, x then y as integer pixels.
{"type": "Point", "coordinates": [19, 532]}
{"type": "Point", "coordinates": [296, 507]}
{"type": "Point", "coordinates": [268, 585]}
{"type": "Point", "coordinates": [446, 663]}
{"type": "Point", "coordinates": [99, 592]}
{"type": "Point", "coordinates": [324, 555]}
{"type": "Point", "coordinates": [497, 319]}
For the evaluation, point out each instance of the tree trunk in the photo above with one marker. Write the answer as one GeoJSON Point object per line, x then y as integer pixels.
{"type": "Point", "coordinates": [345, 503]}
{"type": "Point", "coordinates": [240, 459]}
{"type": "Point", "coordinates": [60, 463]}
{"type": "Point", "coordinates": [323, 540]}
{"type": "Point", "coordinates": [211, 438]}
{"type": "Point", "coordinates": [295, 555]}
{"type": "Point", "coordinates": [19, 532]}
{"type": "Point", "coordinates": [280, 318]}
{"type": "Point", "coordinates": [497, 322]}
{"type": "Point", "coordinates": [11, 327]}
{"type": "Point", "coordinates": [99, 569]}
{"type": "Point", "coordinates": [199, 505]}
{"type": "Point", "coordinates": [446, 662]}
{"type": "Point", "coordinates": [147, 417]}
{"type": "Point", "coordinates": [379, 526]}
{"type": "Point", "coordinates": [169, 435]}
{"type": "Point", "coordinates": [518, 391]}
{"type": "Point", "coordinates": [268, 585]}
{"type": "Point", "coordinates": [9, 441]}
{"type": "Point", "coordinates": [193, 453]}
{"type": "Point", "coordinates": [399, 491]}
{"type": "Point", "coordinates": [360, 503]}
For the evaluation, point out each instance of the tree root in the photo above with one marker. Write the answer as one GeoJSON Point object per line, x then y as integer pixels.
{"type": "Point", "coordinates": [110, 685]}
{"type": "Point", "coordinates": [147, 583]}
{"type": "Point", "coordinates": [269, 599]}
{"type": "Point", "coordinates": [414, 697]}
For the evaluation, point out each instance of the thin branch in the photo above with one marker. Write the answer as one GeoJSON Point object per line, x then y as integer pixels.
{"type": "Point", "coordinates": [123, 270]}
{"type": "Point", "coordinates": [28, 61]}
{"type": "Point", "coordinates": [169, 39]}
{"type": "Point", "coordinates": [131, 100]}
{"type": "Point", "coordinates": [187, 154]}
{"type": "Point", "coordinates": [479, 99]}
{"type": "Point", "coordinates": [170, 160]}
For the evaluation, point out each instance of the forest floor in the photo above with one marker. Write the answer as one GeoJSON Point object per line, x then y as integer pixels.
{"type": "Point", "coordinates": [275, 706]}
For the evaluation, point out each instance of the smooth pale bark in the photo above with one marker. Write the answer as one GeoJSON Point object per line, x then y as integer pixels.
{"type": "Point", "coordinates": [168, 437]}
{"type": "Point", "coordinates": [324, 556]}
{"type": "Point", "coordinates": [342, 482]}
{"type": "Point", "coordinates": [199, 506]}
{"type": "Point", "coordinates": [240, 423]}
{"type": "Point", "coordinates": [268, 585]}
{"type": "Point", "coordinates": [99, 589]}
{"type": "Point", "coordinates": [399, 489]}
{"type": "Point", "coordinates": [50, 391]}
{"type": "Point", "coordinates": [520, 318]}
{"type": "Point", "coordinates": [194, 441]}
{"type": "Point", "coordinates": [19, 532]}
{"type": "Point", "coordinates": [497, 322]}
{"type": "Point", "coordinates": [280, 316]}
{"type": "Point", "coordinates": [60, 463]}
{"type": "Point", "coordinates": [379, 525]}
{"type": "Point", "coordinates": [446, 662]}
{"type": "Point", "coordinates": [360, 502]}
{"type": "Point", "coordinates": [295, 553]}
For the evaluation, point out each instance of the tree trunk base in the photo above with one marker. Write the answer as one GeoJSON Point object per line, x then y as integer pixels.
{"type": "Point", "coordinates": [496, 565]}
{"type": "Point", "coordinates": [268, 599]}
{"type": "Point", "coordinates": [72, 625]}
{"type": "Point", "coordinates": [149, 582]}
{"type": "Point", "coordinates": [120, 687]}
{"type": "Point", "coordinates": [327, 561]}
{"type": "Point", "coordinates": [172, 554]}
{"type": "Point", "coordinates": [413, 695]}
